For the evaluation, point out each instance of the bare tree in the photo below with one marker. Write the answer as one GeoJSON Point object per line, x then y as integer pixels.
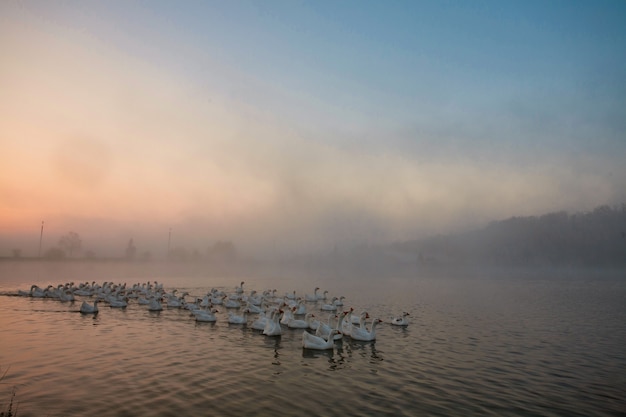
{"type": "Point", "coordinates": [70, 243]}
{"type": "Point", "coordinates": [223, 251]}
{"type": "Point", "coordinates": [131, 250]}
{"type": "Point", "coordinates": [54, 253]}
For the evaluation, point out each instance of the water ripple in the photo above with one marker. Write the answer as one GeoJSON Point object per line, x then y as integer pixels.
{"type": "Point", "coordinates": [516, 354]}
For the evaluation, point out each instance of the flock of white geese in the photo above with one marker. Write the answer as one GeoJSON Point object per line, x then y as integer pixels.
{"type": "Point", "coordinates": [266, 312]}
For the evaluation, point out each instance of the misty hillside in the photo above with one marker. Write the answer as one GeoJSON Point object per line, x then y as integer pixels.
{"type": "Point", "coordinates": [595, 238]}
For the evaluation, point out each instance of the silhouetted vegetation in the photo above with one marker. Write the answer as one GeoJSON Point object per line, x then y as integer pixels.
{"type": "Point", "coordinates": [594, 238]}
{"type": "Point", "coordinates": [71, 243]}
{"type": "Point", "coordinates": [54, 254]}
{"type": "Point", "coordinates": [131, 250]}
{"type": "Point", "coordinates": [222, 251]}
{"type": "Point", "coordinates": [10, 412]}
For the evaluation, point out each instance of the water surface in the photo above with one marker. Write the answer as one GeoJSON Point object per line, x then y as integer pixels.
{"type": "Point", "coordinates": [492, 343]}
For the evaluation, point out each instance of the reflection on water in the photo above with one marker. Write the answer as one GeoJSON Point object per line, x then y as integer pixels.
{"type": "Point", "coordinates": [336, 358]}
{"type": "Point", "coordinates": [474, 347]}
{"type": "Point", "coordinates": [313, 353]}
{"type": "Point", "coordinates": [274, 344]}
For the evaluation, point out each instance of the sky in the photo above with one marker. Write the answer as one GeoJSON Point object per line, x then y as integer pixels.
{"type": "Point", "coordinates": [303, 125]}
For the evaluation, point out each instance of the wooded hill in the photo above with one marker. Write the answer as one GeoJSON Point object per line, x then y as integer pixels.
{"type": "Point", "coordinates": [596, 238]}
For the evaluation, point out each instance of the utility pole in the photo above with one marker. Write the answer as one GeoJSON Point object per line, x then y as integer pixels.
{"type": "Point", "coordinates": [40, 239]}
{"type": "Point", "coordinates": [169, 239]}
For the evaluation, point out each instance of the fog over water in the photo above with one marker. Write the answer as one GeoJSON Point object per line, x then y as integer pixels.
{"type": "Point", "coordinates": [300, 127]}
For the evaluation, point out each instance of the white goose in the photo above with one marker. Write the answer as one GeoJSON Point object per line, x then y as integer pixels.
{"type": "Point", "coordinates": [238, 319]}
{"type": "Point", "coordinates": [347, 323]}
{"type": "Point", "coordinates": [154, 305]}
{"type": "Point", "coordinates": [40, 293]}
{"type": "Point", "coordinates": [66, 295]}
{"type": "Point", "coordinates": [254, 309]}
{"type": "Point", "coordinates": [362, 334]}
{"type": "Point", "coordinates": [236, 296]}
{"type": "Point", "coordinates": [400, 321]}
{"type": "Point", "coordinates": [310, 341]}
{"type": "Point", "coordinates": [87, 308]}
{"type": "Point", "coordinates": [230, 303]}
{"type": "Point", "coordinates": [217, 299]}
{"type": "Point", "coordinates": [54, 292]}
{"type": "Point", "coordinates": [314, 323]}
{"type": "Point", "coordinates": [118, 302]}
{"type": "Point", "coordinates": [260, 322]}
{"type": "Point", "coordinates": [217, 293]}
{"type": "Point", "coordinates": [341, 317]}
{"type": "Point", "coordinates": [299, 324]}
{"type": "Point", "coordinates": [143, 301]}
{"type": "Point", "coordinates": [27, 293]}
{"type": "Point", "coordinates": [360, 319]}
{"type": "Point", "coordinates": [323, 329]}
{"type": "Point", "coordinates": [351, 323]}
{"type": "Point", "coordinates": [193, 306]}
{"type": "Point", "coordinates": [309, 297]}
{"type": "Point", "coordinates": [300, 308]}
{"type": "Point", "coordinates": [205, 315]}
{"type": "Point", "coordinates": [287, 316]}
{"type": "Point", "coordinates": [84, 290]}
{"type": "Point", "coordinates": [253, 299]}
{"type": "Point", "coordinates": [206, 301]}
{"type": "Point", "coordinates": [174, 302]}
{"type": "Point", "coordinates": [272, 327]}
{"type": "Point", "coordinates": [330, 307]}
{"type": "Point", "coordinates": [339, 301]}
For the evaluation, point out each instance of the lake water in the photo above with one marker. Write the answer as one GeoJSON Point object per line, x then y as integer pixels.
{"type": "Point", "coordinates": [502, 343]}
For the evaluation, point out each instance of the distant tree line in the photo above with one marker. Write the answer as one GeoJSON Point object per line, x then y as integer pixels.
{"type": "Point", "coordinates": [220, 251]}
{"type": "Point", "coordinates": [70, 246]}
{"type": "Point", "coordinates": [595, 238]}
{"type": "Point", "coordinates": [592, 238]}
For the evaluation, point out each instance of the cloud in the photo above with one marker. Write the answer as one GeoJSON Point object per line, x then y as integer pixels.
{"type": "Point", "coordinates": [110, 145]}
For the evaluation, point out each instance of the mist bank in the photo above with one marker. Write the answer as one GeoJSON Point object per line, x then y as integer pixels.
{"type": "Point", "coordinates": [596, 238]}
{"type": "Point", "coordinates": [583, 239]}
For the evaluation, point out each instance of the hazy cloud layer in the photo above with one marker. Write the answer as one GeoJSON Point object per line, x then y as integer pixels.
{"type": "Point", "coordinates": [109, 135]}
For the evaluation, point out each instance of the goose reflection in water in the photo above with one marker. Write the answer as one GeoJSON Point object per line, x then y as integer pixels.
{"type": "Point", "coordinates": [364, 350]}
{"type": "Point", "coordinates": [335, 357]}
{"type": "Point", "coordinates": [314, 353]}
{"type": "Point", "coordinates": [274, 344]}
